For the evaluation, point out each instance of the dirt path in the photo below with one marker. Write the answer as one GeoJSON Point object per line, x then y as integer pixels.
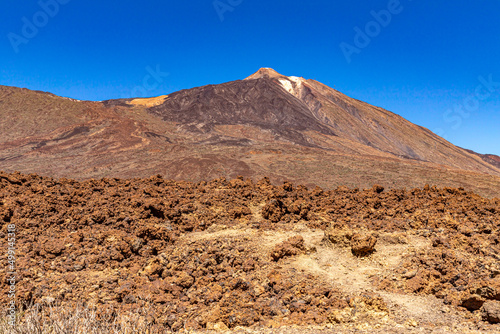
{"type": "Point", "coordinates": [353, 275]}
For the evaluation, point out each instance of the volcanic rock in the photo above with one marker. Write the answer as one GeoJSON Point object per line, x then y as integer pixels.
{"type": "Point", "coordinates": [362, 245]}
{"type": "Point", "coordinates": [289, 247]}
{"type": "Point", "coordinates": [491, 311]}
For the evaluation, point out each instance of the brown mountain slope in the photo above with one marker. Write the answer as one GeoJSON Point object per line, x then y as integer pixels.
{"type": "Point", "coordinates": [489, 158]}
{"type": "Point", "coordinates": [267, 125]}
{"type": "Point", "coordinates": [376, 127]}
{"type": "Point", "coordinates": [290, 107]}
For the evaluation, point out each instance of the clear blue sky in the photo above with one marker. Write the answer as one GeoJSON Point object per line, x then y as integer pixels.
{"type": "Point", "coordinates": [423, 61]}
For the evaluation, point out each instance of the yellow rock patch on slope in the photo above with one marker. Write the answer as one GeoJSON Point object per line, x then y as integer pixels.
{"type": "Point", "coordinates": [149, 102]}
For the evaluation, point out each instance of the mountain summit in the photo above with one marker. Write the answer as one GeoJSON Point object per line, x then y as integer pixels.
{"type": "Point", "coordinates": [266, 125]}
{"type": "Point", "coordinates": [265, 72]}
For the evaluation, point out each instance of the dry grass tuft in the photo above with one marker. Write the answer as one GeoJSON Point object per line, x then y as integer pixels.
{"type": "Point", "coordinates": [57, 319]}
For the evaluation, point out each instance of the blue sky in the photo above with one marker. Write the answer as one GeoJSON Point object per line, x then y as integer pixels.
{"type": "Point", "coordinates": [436, 63]}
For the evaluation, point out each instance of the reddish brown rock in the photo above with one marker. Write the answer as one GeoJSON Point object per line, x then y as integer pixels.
{"type": "Point", "coordinates": [184, 280]}
{"type": "Point", "coordinates": [472, 302]}
{"type": "Point", "coordinates": [491, 311]}
{"type": "Point", "coordinates": [289, 247]}
{"type": "Point", "coordinates": [274, 210]}
{"type": "Point", "coordinates": [363, 245]}
{"type": "Point", "coordinates": [102, 242]}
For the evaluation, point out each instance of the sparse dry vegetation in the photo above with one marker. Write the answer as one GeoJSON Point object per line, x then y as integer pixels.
{"type": "Point", "coordinates": [56, 319]}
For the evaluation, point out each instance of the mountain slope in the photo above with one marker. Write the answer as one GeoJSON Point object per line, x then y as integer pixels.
{"type": "Point", "coordinates": [290, 107]}
{"type": "Point", "coordinates": [266, 125]}
{"type": "Point", "coordinates": [489, 158]}
{"type": "Point", "coordinates": [375, 127]}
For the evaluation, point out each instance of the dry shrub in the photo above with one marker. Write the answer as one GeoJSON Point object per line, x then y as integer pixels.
{"type": "Point", "coordinates": [57, 319]}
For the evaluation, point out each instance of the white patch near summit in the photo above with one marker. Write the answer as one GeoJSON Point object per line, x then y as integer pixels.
{"type": "Point", "coordinates": [296, 79]}
{"type": "Point", "coordinates": [292, 85]}
{"type": "Point", "coordinates": [287, 84]}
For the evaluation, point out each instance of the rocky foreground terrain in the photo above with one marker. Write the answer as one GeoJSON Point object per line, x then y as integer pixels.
{"type": "Point", "coordinates": [254, 257]}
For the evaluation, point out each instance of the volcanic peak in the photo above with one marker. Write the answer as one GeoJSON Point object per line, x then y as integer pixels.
{"type": "Point", "coordinates": [291, 84]}
{"type": "Point", "coordinates": [265, 72]}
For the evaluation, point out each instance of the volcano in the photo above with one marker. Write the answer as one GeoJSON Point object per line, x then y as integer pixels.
{"type": "Point", "coordinates": [267, 125]}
